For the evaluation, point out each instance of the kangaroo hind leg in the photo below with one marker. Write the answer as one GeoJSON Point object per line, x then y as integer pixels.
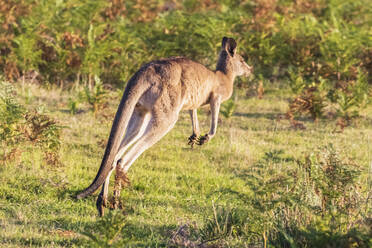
{"type": "Point", "coordinates": [136, 127]}
{"type": "Point", "coordinates": [155, 130]}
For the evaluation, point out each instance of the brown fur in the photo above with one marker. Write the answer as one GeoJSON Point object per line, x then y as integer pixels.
{"type": "Point", "coordinates": [152, 100]}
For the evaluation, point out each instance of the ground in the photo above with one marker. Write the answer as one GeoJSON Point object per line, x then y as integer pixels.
{"type": "Point", "coordinates": [171, 184]}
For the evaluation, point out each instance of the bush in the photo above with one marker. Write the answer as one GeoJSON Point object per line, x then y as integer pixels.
{"type": "Point", "coordinates": [96, 96]}
{"type": "Point", "coordinates": [321, 42]}
{"type": "Point", "coordinates": [20, 128]}
{"type": "Point", "coordinates": [11, 117]}
{"type": "Point", "coordinates": [228, 108]}
{"type": "Point", "coordinates": [106, 230]}
{"type": "Point", "coordinates": [314, 205]}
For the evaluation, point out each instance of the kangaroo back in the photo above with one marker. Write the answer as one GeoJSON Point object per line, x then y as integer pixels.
{"type": "Point", "coordinates": [133, 91]}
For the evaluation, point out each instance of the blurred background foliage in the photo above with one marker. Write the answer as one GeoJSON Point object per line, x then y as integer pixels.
{"type": "Point", "coordinates": [322, 49]}
{"type": "Point", "coordinates": [64, 41]}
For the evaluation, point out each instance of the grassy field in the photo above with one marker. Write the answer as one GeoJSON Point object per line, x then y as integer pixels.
{"type": "Point", "coordinates": [231, 192]}
{"type": "Point", "coordinates": [293, 169]}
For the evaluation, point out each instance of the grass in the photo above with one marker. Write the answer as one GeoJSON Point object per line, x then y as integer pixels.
{"type": "Point", "coordinates": [171, 184]}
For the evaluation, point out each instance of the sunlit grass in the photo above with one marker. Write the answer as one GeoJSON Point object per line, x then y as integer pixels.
{"type": "Point", "coordinates": [171, 184]}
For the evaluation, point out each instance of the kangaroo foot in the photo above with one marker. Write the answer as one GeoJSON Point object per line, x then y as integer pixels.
{"type": "Point", "coordinates": [193, 140]}
{"type": "Point", "coordinates": [121, 180]}
{"type": "Point", "coordinates": [116, 203]}
{"type": "Point", "coordinates": [101, 203]}
{"type": "Point", "coordinates": [203, 139]}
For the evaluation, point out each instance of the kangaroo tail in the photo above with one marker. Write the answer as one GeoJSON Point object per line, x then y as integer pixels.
{"type": "Point", "coordinates": [133, 91]}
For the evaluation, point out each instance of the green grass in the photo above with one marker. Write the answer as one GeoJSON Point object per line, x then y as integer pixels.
{"type": "Point", "coordinates": [171, 184]}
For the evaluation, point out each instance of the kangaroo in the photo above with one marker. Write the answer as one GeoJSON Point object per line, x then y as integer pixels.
{"type": "Point", "coordinates": [150, 106]}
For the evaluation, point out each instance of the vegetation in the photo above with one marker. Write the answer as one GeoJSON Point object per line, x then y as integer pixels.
{"type": "Point", "coordinates": [228, 108]}
{"type": "Point", "coordinates": [322, 46]}
{"type": "Point", "coordinates": [20, 128]}
{"type": "Point", "coordinates": [262, 182]}
{"type": "Point", "coordinates": [96, 96]}
{"type": "Point", "coordinates": [259, 182]}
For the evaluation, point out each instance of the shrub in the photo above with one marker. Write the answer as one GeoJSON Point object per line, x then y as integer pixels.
{"type": "Point", "coordinates": [224, 223]}
{"type": "Point", "coordinates": [333, 213]}
{"type": "Point", "coordinates": [72, 105]}
{"type": "Point", "coordinates": [311, 97]}
{"type": "Point", "coordinates": [310, 101]}
{"type": "Point", "coordinates": [70, 41]}
{"type": "Point", "coordinates": [20, 127]}
{"type": "Point", "coordinates": [96, 96]}
{"type": "Point", "coordinates": [228, 108]}
{"type": "Point", "coordinates": [105, 232]}
{"type": "Point", "coordinates": [11, 117]}
{"type": "Point", "coordinates": [350, 97]}
{"type": "Point", "coordinates": [43, 131]}
{"type": "Point", "coordinates": [316, 204]}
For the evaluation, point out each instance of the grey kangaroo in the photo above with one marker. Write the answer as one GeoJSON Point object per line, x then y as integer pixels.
{"type": "Point", "coordinates": [150, 106]}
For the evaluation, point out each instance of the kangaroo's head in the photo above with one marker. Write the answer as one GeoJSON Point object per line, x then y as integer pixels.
{"type": "Point", "coordinates": [230, 61]}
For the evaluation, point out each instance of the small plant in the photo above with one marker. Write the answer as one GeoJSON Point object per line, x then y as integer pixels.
{"type": "Point", "coordinates": [331, 213]}
{"type": "Point", "coordinates": [105, 232]}
{"type": "Point", "coordinates": [228, 108]}
{"type": "Point", "coordinates": [19, 127]}
{"type": "Point", "coordinates": [310, 101]}
{"type": "Point", "coordinates": [72, 105]}
{"type": "Point", "coordinates": [332, 177]}
{"type": "Point", "coordinates": [39, 127]}
{"type": "Point", "coordinates": [11, 118]}
{"type": "Point", "coordinates": [224, 223]}
{"type": "Point", "coordinates": [96, 97]}
{"type": "Point", "coordinates": [313, 205]}
{"type": "Point", "coordinates": [350, 97]}
{"type": "Point", "coordinates": [43, 131]}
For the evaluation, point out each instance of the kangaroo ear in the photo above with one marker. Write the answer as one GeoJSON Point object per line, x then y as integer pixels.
{"type": "Point", "coordinates": [224, 41]}
{"type": "Point", "coordinates": [229, 44]}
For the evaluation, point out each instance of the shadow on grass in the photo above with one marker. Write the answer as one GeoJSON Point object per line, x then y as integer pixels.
{"type": "Point", "coordinates": [270, 116]}
{"type": "Point", "coordinates": [41, 242]}
{"type": "Point", "coordinates": [78, 111]}
{"type": "Point", "coordinates": [154, 235]}
{"type": "Point", "coordinates": [135, 233]}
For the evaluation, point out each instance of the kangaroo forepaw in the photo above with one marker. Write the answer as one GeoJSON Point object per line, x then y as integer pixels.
{"type": "Point", "coordinates": [203, 139]}
{"type": "Point", "coordinates": [193, 139]}
{"type": "Point", "coordinates": [101, 203]}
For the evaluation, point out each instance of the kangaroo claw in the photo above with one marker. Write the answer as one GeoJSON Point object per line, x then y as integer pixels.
{"type": "Point", "coordinates": [193, 140]}
{"type": "Point", "coordinates": [203, 139]}
{"type": "Point", "coordinates": [101, 203]}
